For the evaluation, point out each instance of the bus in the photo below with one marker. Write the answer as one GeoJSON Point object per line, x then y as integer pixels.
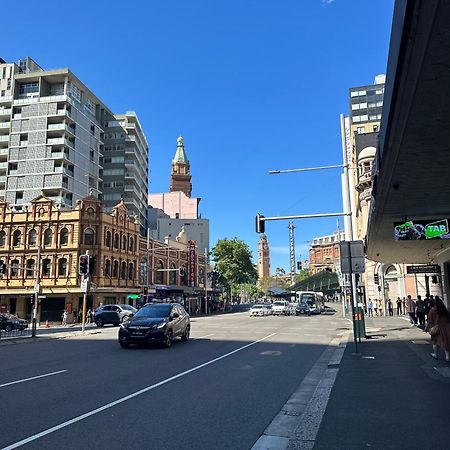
{"type": "Point", "coordinates": [313, 299]}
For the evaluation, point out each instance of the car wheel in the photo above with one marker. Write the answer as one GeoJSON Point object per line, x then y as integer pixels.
{"type": "Point", "coordinates": [168, 339]}
{"type": "Point", "coordinates": [8, 328]}
{"type": "Point", "coordinates": [124, 344]}
{"type": "Point", "coordinates": [99, 322]}
{"type": "Point", "coordinates": [186, 333]}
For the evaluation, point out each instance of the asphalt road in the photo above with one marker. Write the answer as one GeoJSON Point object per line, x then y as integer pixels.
{"type": "Point", "coordinates": [220, 390]}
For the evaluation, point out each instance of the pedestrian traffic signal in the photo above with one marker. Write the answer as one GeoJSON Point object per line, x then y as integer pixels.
{"type": "Point", "coordinates": [91, 264]}
{"type": "Point", "coordinates": [83, 265]}
{"type": "Point", "coordinates": [376, 279]}
{"type": "Point", "coordinates": [260, 223]}
{"type": "Point", "coordinates": [299, 265]}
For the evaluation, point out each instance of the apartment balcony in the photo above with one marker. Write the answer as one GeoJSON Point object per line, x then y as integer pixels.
{"type": "Point", "coordinates": [60, 141]}
{"type": "Point", "coordinates": [2, 179]}
{"type": "Point", "coordinates": [5, 125]}
{"type": "Point", "coordinates": [4, 138]}
{"type": "Point", "coordinates": [5, 111]}
{"type": "Point", "coordinates": [59, 155]}
{"type": "Point", "coordinates": [4, 151]}
{"type": "Point", "coordinates": [3, 165]}
{"type": "Point", "coordinates": [6, 99]}
{"type": "Point", "coordinates": [133, 189]}
{"type": "Point", "coordinates": [63, 170]}
{"type": "Point", "coordinates": [60, 127]}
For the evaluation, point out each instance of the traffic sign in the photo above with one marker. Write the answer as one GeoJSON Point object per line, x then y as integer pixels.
{"type": "Point", "coordinates": [424, 268]}
{"type": "Point", "coordinates": [84, 284]}
{"type": "Point", "coordinates": [352, 252]}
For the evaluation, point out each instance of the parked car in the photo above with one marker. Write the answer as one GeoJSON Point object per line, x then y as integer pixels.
{"type": "Point", "coordinates": [8, 323]}
{"type": "Point", "coordinates": [281, 308]}
{"type": "Point", "coordinates": [113, 314]}
{"type": "Point", "coordinates": [269, 308]}
{"type": "Point", "coordinates": [302, 308]}
{"type": "Point", "coordinates": [259, 310]}
{"type": "Point", "coordinates": [161, 322]}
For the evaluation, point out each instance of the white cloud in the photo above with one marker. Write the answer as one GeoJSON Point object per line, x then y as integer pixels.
{"type": "Point", "coordinates": [327, 2]}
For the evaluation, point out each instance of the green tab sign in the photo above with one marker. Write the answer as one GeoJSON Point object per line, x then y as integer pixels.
{"type": "Point", "coordinates": [436, 229]}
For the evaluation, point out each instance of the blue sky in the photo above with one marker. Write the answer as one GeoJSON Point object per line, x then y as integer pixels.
{"type": "Point", "coordinates": [252, 85]}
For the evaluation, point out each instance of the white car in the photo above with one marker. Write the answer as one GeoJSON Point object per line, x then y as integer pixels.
{"type": "Point", "coordinates": [281, 308]}
{"type": "Point", "coordinates": [258, 310]}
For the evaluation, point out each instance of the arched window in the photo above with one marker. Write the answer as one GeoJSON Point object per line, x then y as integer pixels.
{"type": "Point", "coordinates": [2, 238]}
{"type": "Point", "coordinates": [124, 243]}
{"type": "Point", "coordinates": [31, 264]}
{"type": "Point", "coordinates": [46, 267]}
{"type": "Point", "coordinates": [143, 271]}
{"type": "Point", "coordinates": [108, 239]}
{"type": "Point", "coordinates": [123, 271]}
{"type": "Point", "coordinates": [32, 237]}
{"type": "Point", "coordinates": [159, 276]}
{"type": "Point", "coordinates": [183, 276]}
{"type": "Point", "coordinates": [131, 243]}
{"type": "Point", "coordinates": [173, 274]}
{"type": "Point", "coordinates": [107, 268]}
{"type": "Point", "coordinates": [17, 238]}
{"type": "Point", "coordinates": [116, 241]}
{"type": "Point", "coordinates": [62, 267]}
{"type": "Point", "coordinates": [131, 271]}
{"type": "Point", "coordinates": [116, 269]}
{"type": "Point", "coordinates": [48, 235]}
{"type": "Point", "coordinates": [64, 236]}
{"type": "Point", "coordinates": [89, 236]}
{"type": "Point", "coordinates": [14, 268]}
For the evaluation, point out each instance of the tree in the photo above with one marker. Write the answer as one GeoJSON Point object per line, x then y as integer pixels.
{"type": "Point", "coordinates": [280, 272]}
{"type": "Point", "coordinates": [302, 275]}
{"type": "Point", "coordinates": [233, 262]}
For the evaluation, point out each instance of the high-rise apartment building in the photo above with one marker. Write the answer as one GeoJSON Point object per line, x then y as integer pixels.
{"type": "Point", "coordinates": [125, 162]}
{"type": "Point", "coordinates": [52, 139]}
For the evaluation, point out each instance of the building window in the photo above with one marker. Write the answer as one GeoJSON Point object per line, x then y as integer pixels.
{"type": "Point", "coordinates": [14, 268]}
{"type": "Point", "coordinates": [131, 243]}
{"type": "Point", "coordinates": [108, 239]}
{"type": "Point", "coordinates": [107, 270]}
{"type": "Point", "coordinates": [62, 267]}
{"type": "Point", "coordinates": [17, 238]}
{"type": "Point", "coordinates": [159, 273]}
{"type": "Point", "coordinates": [116, 241]}
{"type": "Point", "coordinates": [2, 238]}
{"type": "Point", "coordinates": [123, 271]}
{"type": "Point", "coordinates": [131, 271]}
{"type": "Point", "coordinates": [116, 269]}
{"type": "Point", "coordinates": [64, 236]}
{"type": "Point", "coordinates": [124, 243]}
{"type": "Point", "coordinates": [32, 237]}
{"type": "Point", "coordinates": [143, 271]}
{"type": "Point", "coordinates": [360, 130]}
{"type": "Point", "coordinates": [173, 274]}
{"type": "Point", "coordinates": [48, 237]}
{"type": "Point", "coordinates": [46, 266]}
{"type": "Point", "coordinates": [29, 272]}
{"type": "Point", "coordinates": [89, 236]}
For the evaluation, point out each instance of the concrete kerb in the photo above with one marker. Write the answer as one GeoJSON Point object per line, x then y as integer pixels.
{"type": "Point", "coordinates": [297, 423]}
{"type": "Point", "coordinates": [29, 339]}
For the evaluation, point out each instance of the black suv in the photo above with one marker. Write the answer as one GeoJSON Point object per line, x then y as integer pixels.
{"type": "Point", "coordinates": [161, 322]}
{"type": "Point", "coordinates": [113, 314]}
{"type": "Point", "coordinates": [9, 322]}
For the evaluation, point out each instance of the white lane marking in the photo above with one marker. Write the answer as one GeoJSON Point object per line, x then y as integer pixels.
{"type": "Point", "coordinates": [128, 397]}
{"type": "Point", "coordinates": [203, 337]}
{"type": "Point", "coordinates": [32, 378]}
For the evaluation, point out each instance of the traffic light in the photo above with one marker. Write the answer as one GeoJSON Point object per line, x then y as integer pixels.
{"type": "Point", "coordinates": [91, 265]}
{"type": "Point", "coordinates": [299, 265]}
{"type": "Point", "coordinates": [434, 279]}
{"type": "Point", "coordinates": [83, 265]}
{"type": "Point", "coordinates": [376, 279]}
{"type": "Point", "coordinates": [260, 223]}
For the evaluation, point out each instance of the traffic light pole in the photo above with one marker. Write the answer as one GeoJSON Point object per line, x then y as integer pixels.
{"type": "Point", "coordinates": [85, 294]}
{"type": "Point", "coordinates": [36, 293]}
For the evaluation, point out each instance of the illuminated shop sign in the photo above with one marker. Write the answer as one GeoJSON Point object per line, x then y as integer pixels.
{"type": "Point", "coordinates": [421, 230]}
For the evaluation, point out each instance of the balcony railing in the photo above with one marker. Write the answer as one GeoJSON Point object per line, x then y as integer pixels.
{"type": "Point", "coordinates": [5, 124]}
{"type": "Point", "coordinates": [5, 111]}
{"type": "Point", "coordinates": [4, 138]}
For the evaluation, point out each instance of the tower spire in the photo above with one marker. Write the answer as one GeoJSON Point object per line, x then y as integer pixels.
{"type": "Point", "coordinates": [180, 179]}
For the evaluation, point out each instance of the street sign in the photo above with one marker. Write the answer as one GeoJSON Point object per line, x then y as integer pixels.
{"type": "Point", "coordinates": [36, 288]}
{"type": "Point", "coordinates": [352, 251]}
{"type": "Point", "coordinates": [42, 296]}
{"type": "Point", "coordinates": [84, 285]}
{"type": "Point", "coordinates": [425, 268]}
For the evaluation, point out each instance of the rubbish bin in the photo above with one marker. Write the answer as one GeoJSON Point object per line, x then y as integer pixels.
{"type": "Point", "coordinates": [359, 322]}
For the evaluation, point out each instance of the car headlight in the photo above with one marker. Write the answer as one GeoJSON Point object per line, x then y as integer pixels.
{"type": "Point", "coordinates": [161, 325]}
{"type": "Point", "coordinates": [124, 325]}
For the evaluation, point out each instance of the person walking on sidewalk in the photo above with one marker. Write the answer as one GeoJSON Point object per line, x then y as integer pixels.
{"type": "Point", "coordinates": [411, 308]}
{"type": "Point", "coordinates": [64, 317]}
{"type": "Point", "coordinates": [420, 309]}
{"type": "Point", "coordinates": [375, 307]}
{"type": "Point", "coordinates": [439, 328]}
{"type": "Point", "coordinates": [399, 306]}
{"type": "Point", "coordinates": [381, 310]}
{"type": "Point", "coordinates": [370, 307]}
{"type": "Point", "coordinates": [390, 306]}
{"type": "Point", "coordinates": [404, 305]}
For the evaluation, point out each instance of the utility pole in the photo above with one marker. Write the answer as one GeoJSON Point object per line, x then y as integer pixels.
{"type": "Point", "coordinates": [206, 281]}
{"type": "Point", "coordinates": [85, 288]}
{"type": "Point", "coordinates": [292, 251]}
{"type": "Point", "coordinates": [37, 289]}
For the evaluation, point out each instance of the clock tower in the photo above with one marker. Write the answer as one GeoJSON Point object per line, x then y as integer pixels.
{"type": "Point", "coordinates": [263, 257]}
{"type": "Point", "coordinates": [180, 179]}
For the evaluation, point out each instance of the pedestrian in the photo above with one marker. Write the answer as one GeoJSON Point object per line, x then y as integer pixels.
{"type": "Point", "coordinates": [375, 307]}
{"type": "Point", "coordinates": [399, 306]}
{"type": "Point", "coordinates": [439, 328]}
{"type": "Point", "coordinates": [370, 307]}
{"type": "Point", "coordinates": [429, 303]}
{"type": "Point", "coordinates": [411, 308]}
{"type": "Point", "coordinates": [64, 317]}
{"type": "Point", "coordinates": [88, 316]}
{"type": "Point", "coordinates": [380, 306]}
{"type": "Point", "coordinates": [420, 311]}
{"type": "Point", "coordinates": [404, 305]}
{"type": "Point", "coordinates": [390, 306]}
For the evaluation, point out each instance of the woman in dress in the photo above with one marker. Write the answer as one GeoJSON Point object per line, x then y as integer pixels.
{"type": "Point", "coordinates": [440, 317]}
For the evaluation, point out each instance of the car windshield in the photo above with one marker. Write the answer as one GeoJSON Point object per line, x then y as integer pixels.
{"type": "Point", "coordinates": [257, 306]}
{"type": "Point", "coordinates": [154, 311]}
{"type": "Point", "coordinates": [128, 308]}
{"type": "Point", "coordinates": [279, 303]}
{"type": "Point", "coordinates": [308, 298]}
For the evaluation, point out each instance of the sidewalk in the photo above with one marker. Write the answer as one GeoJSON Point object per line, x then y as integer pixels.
{"type": "Point", "coordinates": [392, 396]}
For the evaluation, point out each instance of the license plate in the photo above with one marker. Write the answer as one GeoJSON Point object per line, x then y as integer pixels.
{"type": "Point", "coordinates": [137, 333]}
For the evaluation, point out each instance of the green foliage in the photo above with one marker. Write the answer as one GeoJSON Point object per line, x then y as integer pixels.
{"type": "Point", "coordinates": [280, 272]}
{"type": "Point", "coordinates": [302, 275]}
{"type": "Point", "coordinates": [233, 261]}
{"type": "Point", "coordinates": [253, 291]}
